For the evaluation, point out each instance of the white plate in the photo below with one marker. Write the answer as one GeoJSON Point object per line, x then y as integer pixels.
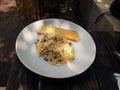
{"type": "Point", "coordinates": [85, 50]}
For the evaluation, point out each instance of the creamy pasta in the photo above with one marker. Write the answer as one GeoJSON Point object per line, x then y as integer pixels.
{"type": "Point", "coordinates": [55, 49]}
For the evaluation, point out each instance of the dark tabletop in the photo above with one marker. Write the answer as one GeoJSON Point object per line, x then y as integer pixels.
{"type": "Point", "coordinates": [99, 76]}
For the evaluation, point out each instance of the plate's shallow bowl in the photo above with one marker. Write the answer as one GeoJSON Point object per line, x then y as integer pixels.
{"type": "Point", "coordinates": [85, 50]}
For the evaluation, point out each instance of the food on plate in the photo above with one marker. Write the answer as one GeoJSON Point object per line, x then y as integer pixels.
{"type": "Point", "coordinates": [69, 34]}
{"type": "Point", "coordinates": [56, 49]}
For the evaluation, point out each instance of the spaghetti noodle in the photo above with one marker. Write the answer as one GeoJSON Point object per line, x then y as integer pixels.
{"type": "Point", "coordinates": [55, 48]}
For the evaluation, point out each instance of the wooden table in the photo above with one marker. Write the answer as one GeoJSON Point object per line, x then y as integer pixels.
{"type": "Point", "coordinates": [98, 77]}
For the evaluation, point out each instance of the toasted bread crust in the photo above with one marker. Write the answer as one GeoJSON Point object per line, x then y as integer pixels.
{"type": "Point", "coordinates": [69, 34]}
